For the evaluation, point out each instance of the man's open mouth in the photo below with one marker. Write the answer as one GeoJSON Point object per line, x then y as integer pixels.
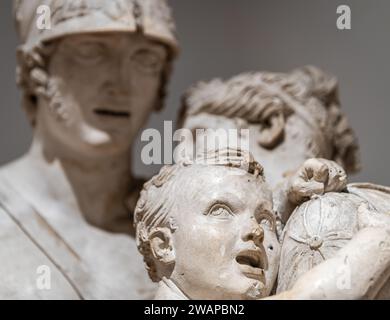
{"type": "Point", "coordinates": [112, 113]}
{"type": "Point", "coordinates": [251, 263]}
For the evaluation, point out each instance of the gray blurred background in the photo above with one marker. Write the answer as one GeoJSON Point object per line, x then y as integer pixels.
{"type": "Point", "coordinates": [225, 37]}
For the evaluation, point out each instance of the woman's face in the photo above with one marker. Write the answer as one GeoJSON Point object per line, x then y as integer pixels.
{"type": "Point", "coordinates": [299, 141]}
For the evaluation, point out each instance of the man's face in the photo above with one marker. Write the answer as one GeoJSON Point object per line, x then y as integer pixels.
{"type": "Point", "coordinates": [102, 88]}
{"type": "Point", "coordinates": [225, 244]}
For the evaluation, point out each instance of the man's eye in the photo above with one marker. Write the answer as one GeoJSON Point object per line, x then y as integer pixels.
{"type": "Point", "coordinates": [220, 211]}
{"type": "Point", "coordinates": [148, 61]}
{"type": "Point", "coordinates": [90, 52]}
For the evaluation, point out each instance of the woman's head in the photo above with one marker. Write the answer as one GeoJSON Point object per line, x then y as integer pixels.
{"type": "Point", "coordinates": [291, 117]}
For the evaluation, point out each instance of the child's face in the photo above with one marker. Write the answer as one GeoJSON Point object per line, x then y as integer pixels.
{"type": "Point", "coordinates": [225, 244]}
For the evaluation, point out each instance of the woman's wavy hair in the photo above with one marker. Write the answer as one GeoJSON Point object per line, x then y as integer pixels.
{"type": "Point", "coordinates": [248, 95]}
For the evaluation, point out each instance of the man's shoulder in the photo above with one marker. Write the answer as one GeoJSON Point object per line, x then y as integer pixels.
{"type": "Point", "coordinates": [9, 176]}
{"type": "Point", "coordinates": [9, 196]}
{"type": "Point", "coordinates": [25, 269]}
{"type": "Point", "coordinates": [24, 263]}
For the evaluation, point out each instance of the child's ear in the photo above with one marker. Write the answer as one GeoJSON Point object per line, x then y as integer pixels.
{"type": "Point", "coordinates": [161, 245]}
{"type": "Point", "coordinates": [271, 131]}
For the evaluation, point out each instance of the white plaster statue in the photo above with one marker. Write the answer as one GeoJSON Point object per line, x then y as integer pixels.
{"type": "Point", "coordinates": [89, 84]}
{"type": "Point", "coordinates": [299, 113]}
{"type": "Point", "coordinates": [207, 230]}
{"type": "Point", "coordinates": [291, 117]}
{"type": "Point", "coordinates": [346, 233]}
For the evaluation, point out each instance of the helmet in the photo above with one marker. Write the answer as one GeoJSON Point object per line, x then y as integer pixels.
{"type": "Point", "coordinates": [315, 232]}
{"type": "Point", "coordinates": [150, 17]}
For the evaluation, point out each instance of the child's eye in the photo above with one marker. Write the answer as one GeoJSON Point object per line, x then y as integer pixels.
{"type": "Point", "coordinates": [220, 211]}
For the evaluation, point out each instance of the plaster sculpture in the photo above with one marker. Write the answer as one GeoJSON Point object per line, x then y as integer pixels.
{"type": "Point", "coordinates": [319, 230]}
{"type": "Point", "coordinates": [291, 117]}
{"type": "Point", "coordinates": [214, 244]}
{"type": "Point", "coordinates": [207, 230]}
{"type": "Point", "coordinates": [89, 83]}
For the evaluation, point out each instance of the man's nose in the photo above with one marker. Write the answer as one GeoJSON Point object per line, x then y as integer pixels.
{"type": "Point", "coordinates": [121, 77]}
{"type": "Point", "coordinates": [254, 232]}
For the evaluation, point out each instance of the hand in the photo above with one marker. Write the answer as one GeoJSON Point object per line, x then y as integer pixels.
{"type": "Point", "coordinates": [315, 177]}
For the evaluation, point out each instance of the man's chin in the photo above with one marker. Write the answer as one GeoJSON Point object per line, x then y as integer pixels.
{"type": "Point", "coordinates": [106, 148]}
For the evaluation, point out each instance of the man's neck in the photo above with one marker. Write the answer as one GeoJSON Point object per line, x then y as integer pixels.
{"type": "Point", "coordinates": [96, 188]}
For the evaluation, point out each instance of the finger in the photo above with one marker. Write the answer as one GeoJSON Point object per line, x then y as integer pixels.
{"type": "Point", "coordinates": [337, 180]}
{"type": "Point", "coordinates": [316, 169]}
{"type": "Point", "coordinates": [303, 190]}
{"type": "Point", "coordinates": [335, 169]}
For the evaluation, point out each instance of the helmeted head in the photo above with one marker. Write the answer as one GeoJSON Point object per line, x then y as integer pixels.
{"type": "Point", "coordinates": [209, 227]}
{"type": "Point", "coordinates": [291, 117]}
{"type": "Point", "coordinates": [152, 18]}
{"type": "Point", "coordinates": [92, 75]}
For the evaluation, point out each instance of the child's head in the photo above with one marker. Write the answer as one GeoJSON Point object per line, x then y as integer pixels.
{"type": "Point", "coordinates": [210, 228]}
